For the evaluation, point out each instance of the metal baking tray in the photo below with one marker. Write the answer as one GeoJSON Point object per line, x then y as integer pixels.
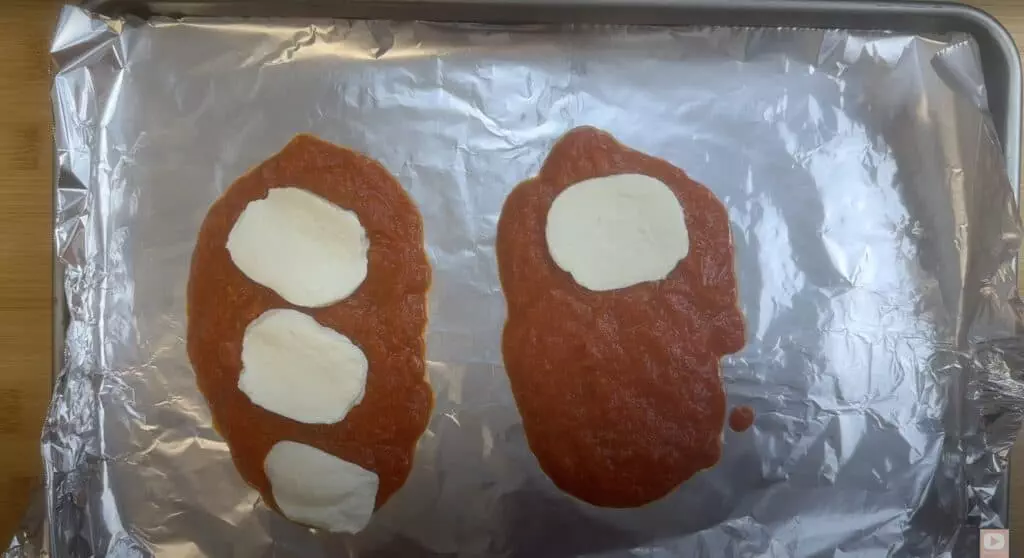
{"type": "Point", "coordinates": [1000, 59]}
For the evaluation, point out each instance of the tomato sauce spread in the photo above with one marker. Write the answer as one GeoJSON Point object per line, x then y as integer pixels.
{"type": "Point", "coordinates": [619, 391]}
{"type": "Point", "coordinates": [386, 317]}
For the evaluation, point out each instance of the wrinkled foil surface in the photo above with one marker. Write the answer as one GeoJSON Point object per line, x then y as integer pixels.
{"type": "Point", "coordinates": [874, 225]}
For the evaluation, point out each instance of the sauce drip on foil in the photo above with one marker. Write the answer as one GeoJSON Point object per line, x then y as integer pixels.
{"type": "Point", "coordinates": [741, 418]}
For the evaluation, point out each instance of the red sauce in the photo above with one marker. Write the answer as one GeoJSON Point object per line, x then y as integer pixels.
{"type": "Point", "coordinates": [619, 391]}
{"type": "Point", "coordinates": [385, 317]}
{"type": "Point", "coordinates": [741, 418]}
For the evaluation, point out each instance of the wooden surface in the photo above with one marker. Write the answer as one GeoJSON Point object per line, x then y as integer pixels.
{"type": "Point", "coordinates": [25, 246]}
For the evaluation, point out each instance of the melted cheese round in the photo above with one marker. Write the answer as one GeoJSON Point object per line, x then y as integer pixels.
{"type": "Point", "coordinates": [297, 368]}
{"type": "Point", "coordinates": [617, 231]}
{"type": "Point", "coordinates": [315, 488]}
{"type": "Point", "coordinates": [308, 250]}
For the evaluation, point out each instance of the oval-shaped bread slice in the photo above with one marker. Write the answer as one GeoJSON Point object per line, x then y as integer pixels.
{"type": "Point", "coordinates": [385, 317]}
{"type": "Point", "coordinates": [619, 390]}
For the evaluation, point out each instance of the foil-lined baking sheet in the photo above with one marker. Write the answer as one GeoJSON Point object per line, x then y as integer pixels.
{"type": "Point", "coordinates": [875, 230]}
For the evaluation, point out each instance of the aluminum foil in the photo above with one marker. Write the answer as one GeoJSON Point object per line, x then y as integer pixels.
{"type": "Point", "coordinates": [875, 231]}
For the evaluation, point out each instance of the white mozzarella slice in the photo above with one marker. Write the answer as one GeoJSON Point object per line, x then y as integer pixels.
{"type": "Point", "coordinates": [308, 250]}
{"type": "Point", "coordinates": [297, 368]}
{"type": "Point", "coordinates": [616, 231]}
{"type": "Point", "coordinates": [316, 488]}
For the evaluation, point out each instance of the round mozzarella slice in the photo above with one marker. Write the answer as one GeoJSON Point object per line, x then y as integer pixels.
{"type": "Point", "coordinates": [617, 231]}
{"type": "Point", "coordinates": [313, 487]}
{"type": "Point", "coordinates": [297, 368]}
{"type": "Point", "coordinates": [305, 248]}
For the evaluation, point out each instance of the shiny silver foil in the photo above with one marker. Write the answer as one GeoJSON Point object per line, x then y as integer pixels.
{"type": "Point", "coordinates": [875, 230]}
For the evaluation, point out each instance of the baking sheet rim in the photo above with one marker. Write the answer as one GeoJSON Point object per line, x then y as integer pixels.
{"type": "Point", "coordinates": [1010, 115]}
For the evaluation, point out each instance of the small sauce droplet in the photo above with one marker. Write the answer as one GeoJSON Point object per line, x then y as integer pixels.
{"type": "Point", "coordinates": [741, 418]}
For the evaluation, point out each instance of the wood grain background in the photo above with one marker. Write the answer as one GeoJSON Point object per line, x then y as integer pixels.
{"type": "Point", "coordinates": [26, 260]}
{"type": "Point", "coordinates": [26, 246]}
